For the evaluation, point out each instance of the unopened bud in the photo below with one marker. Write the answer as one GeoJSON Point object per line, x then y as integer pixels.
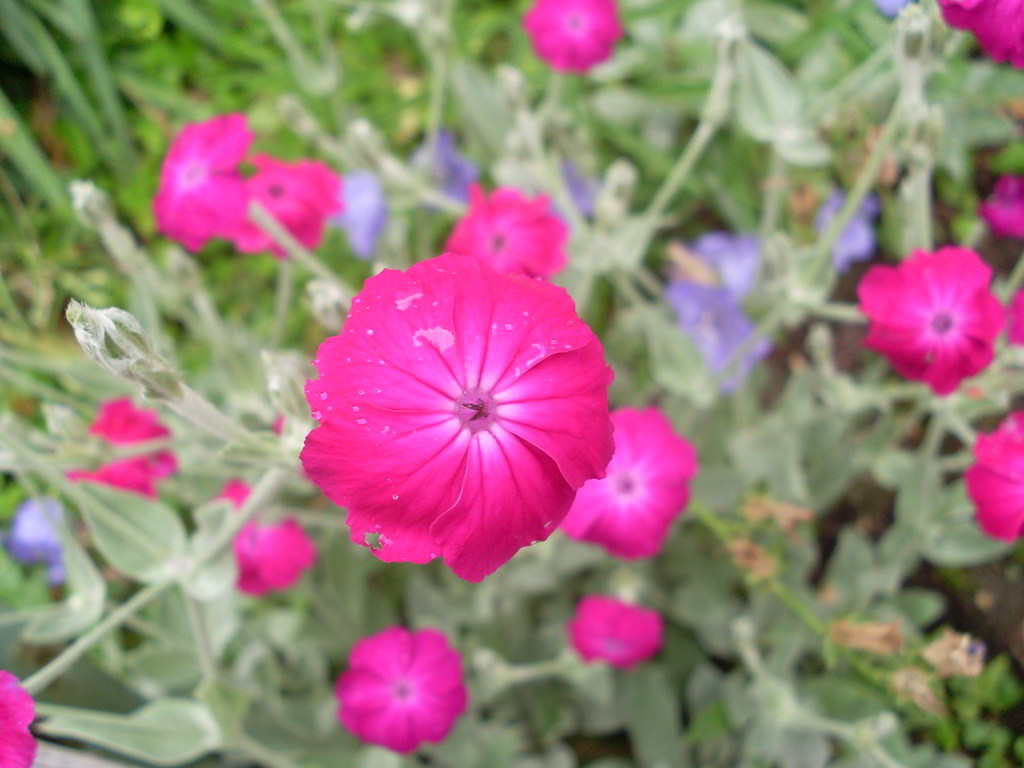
{"type": "Point", "coordinates": [286, 374]}
{"type": "Point", "coordinates": [885, 638]}
{"type": "Point", "coordinates": [954, 653]}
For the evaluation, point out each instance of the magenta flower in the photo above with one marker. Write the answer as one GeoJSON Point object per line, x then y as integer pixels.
{"type": "Point", "coordinates": [201, 193]}
{"type": "Point", "coordinates": [606, 629]}
{"type": "Point", "coordinates": [647, 485]}
{"type": "Point", "coordinates": [17, 711]}
{"type": "Point", "coordinates": [236, 491]}
{"type": "Point", "coordinates": [998, 25]}
{"type": "Point", "coordinates": [120, 423]}
{"type": "Point", "coordinates": [272, 557]}
{"type": "Point", "coordinates": [511, 232]}
{"type": "Point", "coordinates": [1004, 209]}
{"type": "Point", "coordinates": [995, 482]}
{"type": "Point", "coordinates": [573, 35]}
{"type": "Point", "coordinates": [933, 317]}
{"type": "Point", "coordinates": [300, 195]}
{"type": "Point", "coordinates": [460, 410]}
{"type": "Point", "coordinates": [402, 689]}
{"type": "Point", "coordinates": [1015, 332]}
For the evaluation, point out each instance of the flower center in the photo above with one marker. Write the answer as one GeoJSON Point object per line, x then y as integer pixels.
{"type": "Point", "coordinates": [575, 22]}
{"type": "Point", "coordinates": [403, 690]}
{"type": "Point", "coordinates": [192, 175]}
{"type": "Point", "coordinates": [625, 484]}
{"type": "Point", "coordinates": [497, 242]}
{"type": "Point", "coordinates": [475, 410]}
{"type": "Point", "coordinates": [942, 323]}
{"type": "Point", "coordinates": [275, 190]}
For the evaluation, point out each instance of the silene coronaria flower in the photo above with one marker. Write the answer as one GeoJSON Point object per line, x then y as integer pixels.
{"type": "Point", "coordinates": [647, 485]}
{"type": "Point", "coordinates": [995, 482]}
{"type": "Point", "coordinates": [201, 193]}
{"type": "Point", "coordinates": [934, 317]}
{"type": "Point", "coordinates": [119, 423]}
{"type": "Point", "coordinates": [609, 630]}
{"type": "Point", "coordinates": [34, 537]}
{"type": "Point", "coordinates": [573, 35]}
{"type": "Point", "coordinates": [512, 232]}
{"type": "Point", "coordinates": [1003, 210]}
{"type": "Point", "coordinates": [17, 711]}
{"type": "Point", "coordinates": [402, 689]}
{"type": "Point", "coordinates": [300, 196]}
{"type": "Point", "coordinates": [460, 410]}
{"type": "Point", "coordinates": [998, 25]}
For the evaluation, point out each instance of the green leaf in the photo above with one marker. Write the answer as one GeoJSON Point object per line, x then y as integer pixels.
{"type": "Point", "coordinates": [165, 732]}
{"type": "Point", "coordinates": [962, 544]}
{"type": "Point", "coordinates": [652, 716]}
{"type": "Point", "coordinates": [139, 536]}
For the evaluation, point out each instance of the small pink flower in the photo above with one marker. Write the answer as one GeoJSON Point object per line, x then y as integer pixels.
{"type": "Point", "coordinates": [606, 629]}
{"type": "Point", "coordinates": [17, 711]}
{"type": "Point", "coordinates": [997, 24]}
{"type": "Point", "coordinates": [402, 689]}
{"type": "Point", "coordinates": [995, 482]}
{"type": "Point", "coordinates": [933, 317]}
{"type": "Point", "coordinates": [573, 35]}
{"type": "Point", "coordinates": [1004, 209]}
{"type": "Point", "coordinates": [236, 491]}
{"type": "Point", "coordinates": [300, 195]}
{"type": "Point", "coordinates": [460, 410]}
{"type": "Point", "coordinates": [647, 485]}
{"type": "Point", "coordinates": [272, 557]}
{"type": "Point", "coordinates": [511, 232]}
{"type": "Point", "coordinates": [119, 422]}
{"type": "Point", "coordinates": [201, 193]}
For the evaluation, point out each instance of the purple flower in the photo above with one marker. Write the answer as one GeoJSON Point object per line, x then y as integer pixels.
{"type": "Point", "coordinates": [857, 241]}
{"type": "Point", "coordinates": [583, 189]}
{"type": "Point", "coordinates": [451, 171]}
{"type": "Point", "coordinates": [34, 537]}
{"type": "Point", "coordinates": [891, 8]}
{"type": "Point", "coordinates": [716, 323]}
{"type": "Point", "coordinates": [735, 258]}
{"type": "Point", "coordinates": [365, 212]}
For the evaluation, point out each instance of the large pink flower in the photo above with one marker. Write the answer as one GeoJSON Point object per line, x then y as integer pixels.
{"type": "Point", "coordinates": [1004, 209]}
{"type": "Point", "coordinates": [647, 485]}
{"type": "Point", "coordinates": [402, 688]}
{"type": "Point", "coordinates": [201, 193]}
{"type": "Point", "coordinates": [606, 629]}
{"type": "Point", "coordinates": [933, 317]}
{"type": "Point", "coordinates": [17, 711]}
{"type": "Point", "coordinates": [997, 24]}
{"type": "Point", "coordinates": [300, 195]}
{"type": "Point", "coordinates": [272, 557]}
{"type": "Point", "coordinates": [460, 409]}
{"type": "Point", "coordinates": [573, 35]}
{"type": "Point", "coordinates": [119, 422]}
{"type": "Point", "coordinates": [995, 482]}
{"type": "Point", "coordinates": [511, 232]}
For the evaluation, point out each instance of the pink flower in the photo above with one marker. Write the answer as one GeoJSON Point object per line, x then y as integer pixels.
{"type": "Point", "coordinates": [573, 35]}
{"type": "Point", "coordinates": [119, 422]}
{"type": "Point", "coordinates": [17, 711]}
{"type": "Point", "coordinates": [300, 195]}
{"type": "Point", "coordinates": [1016, 330]}
{"type": "Point", "coordinates": [511, 232]}
{"type": "Point", "coordinates": [629, 511]}
{"type": "Point", "coordinates": [995, 482]}
{"type": "Point", "coordinates": [402, 688]}
{"type": "Point", "coordinates": [997, 24]}
{"type": "Point", "coordinates": [607, 629]}
{"type": "Point", "coordinates": [460, 410]}
{"type": "Point", "coordinates": [933, 317]}
{"type": "Point", "coordinates": [201, 193]}
{"type": "Point", "coordinates": [1004, 209]}
{"type": "Point", "coordinates": [272, 557]}
{"type": "Point", "coordinates": [236, 491]}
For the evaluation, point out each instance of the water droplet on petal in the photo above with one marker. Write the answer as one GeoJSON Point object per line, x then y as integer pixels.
{"type": "Point", "coordinates": [317, 415]}
{"type": "Point", "coordinates": [394, 496]}
{"type": "Point", "coordinates": [323, 395]}
{"type": "Point", "coordinates": [508, 326]}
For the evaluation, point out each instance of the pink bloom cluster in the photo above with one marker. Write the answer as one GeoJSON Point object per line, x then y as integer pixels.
{"type": "Point", "coordinates": [402, 689]}
{"type": "Point", "coordinates": [460, 411]}
{"type": "Point", "coordinates": [203, 193]}
{"type": "Point", "coordinates": [120, 423]}
{"type": "Point", "coordinates": [1004, 209]}
{"type": "Point", "coordinates": [606, 629]}
{"type": "Point", "coordinates": [997, 24]}
{"type": "Point", "coordinates": [629, 511]}
{"type": "Point", "coordinates": [269, 557]}
{"type": "Point", "coordinates": [511, 232]}
{"type": "Point", "coordinates": [17, 711]}
{"type": "Point", "coordinates": [573, 35]}
{"type": "Point", "coordinates": [934, 317]}
{"type": "Point", "coordinates": [995, 482]}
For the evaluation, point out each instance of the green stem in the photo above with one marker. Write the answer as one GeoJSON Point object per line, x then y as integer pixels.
{"type": "Point", "coordinates": [282, 302]}
{"type": "Point", "coordinates": [1014, 280]}
{"type": "Point", "coordinates": [266, 221]}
